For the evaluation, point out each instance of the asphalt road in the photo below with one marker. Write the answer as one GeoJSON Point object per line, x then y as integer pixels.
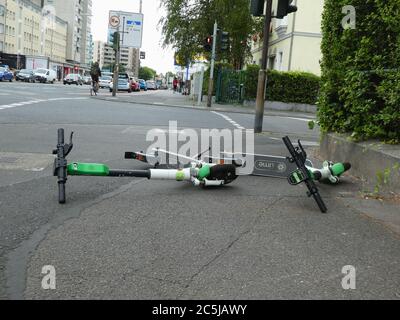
{"type": "Point", "coordinates": [125, 238]}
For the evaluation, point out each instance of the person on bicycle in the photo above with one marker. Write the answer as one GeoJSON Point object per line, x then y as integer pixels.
{"type": "Point", "coordinates": [95, 73]}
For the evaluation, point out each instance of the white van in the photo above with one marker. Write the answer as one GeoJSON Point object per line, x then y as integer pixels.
{"type": "Point", "coordinates": [45, 75]}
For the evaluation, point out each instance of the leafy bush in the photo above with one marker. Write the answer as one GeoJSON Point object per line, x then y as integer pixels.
{"type": "Point", "coordinates": [290, 87]}
{"type": "Point", "coordinates": [295, 87]}
{"type": "Point", "coordinates": [251, 81]}
{"type": "Point", "coordinates": [218, 66]}
{"type": "Point", "coordinates": [360, 90]}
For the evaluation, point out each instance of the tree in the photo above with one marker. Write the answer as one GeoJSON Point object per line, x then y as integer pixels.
{"type": "Point", "coordinates": [147, 73]}
{"type": "Point", "coordinates": [187, 24]}
{"type": "Point", "coordinates": [360, 90]}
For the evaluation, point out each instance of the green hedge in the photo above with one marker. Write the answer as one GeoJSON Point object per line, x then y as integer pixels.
{"type": "Point", "coordinates": [297, 87]}
{"type": "Point", "coordinates": [290, 87]}
{"type": "Point", "coordinates": [360, 91]}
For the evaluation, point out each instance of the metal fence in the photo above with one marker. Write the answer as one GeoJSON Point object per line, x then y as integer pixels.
{"type": "Point", "coordinates": [230, 86]}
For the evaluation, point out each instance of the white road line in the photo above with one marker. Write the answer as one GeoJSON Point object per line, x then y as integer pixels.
{"type": "Point", "coordinates": [234, 123]}
{"type": "Point", "coordinates": [298, 119]}
{"type": "Point", "coordinates": [26, 103]}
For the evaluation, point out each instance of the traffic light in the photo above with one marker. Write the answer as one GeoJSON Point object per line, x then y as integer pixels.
{"type": "Point", "coordinates": [285, 7]}
{"type": "Point", "coordinates": [223, 40]}
{"type": "Point", "coordinates": [257, 7]}
{"type": "Point", "coordinates": [208, 43]}
{"type": "Point", "coordinates": [115, 40]}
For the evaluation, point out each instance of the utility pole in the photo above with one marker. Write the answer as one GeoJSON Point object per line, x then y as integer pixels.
{"type": "Point", "coordinates": [141, 6]}
{"type": "Point", "coordinates": [211, 80]}
{"type": "Point", "coordinates": [262, 76]}
{"type": "Point", "coordinates": [116, 64]}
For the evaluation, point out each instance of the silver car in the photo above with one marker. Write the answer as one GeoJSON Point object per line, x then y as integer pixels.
{"type": "Point", "coordinates": [104, 81]}
{"type": "Point", "coordinates": [151, 85]}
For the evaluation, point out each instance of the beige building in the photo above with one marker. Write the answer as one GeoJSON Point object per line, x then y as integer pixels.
{"type": "Point", "coordinates": [25, 31]}
{"type": "Point", "coordinates": [295, 41]}
{"type": "Point", "coordinates": [78, 15]}
{"type": "Point", "coordinates": [105, 54]}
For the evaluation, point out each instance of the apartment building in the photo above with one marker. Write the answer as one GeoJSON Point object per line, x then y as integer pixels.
{"type": "Point", "coordinates": [105, 55]}
{"type": "Point", "coordinates": [295, 41]}
{"type": "Point", "coordinates": [26, 32]}
{"type": "Point", "coordinates": [78, 15]}
{"type": "Point", "coordinates": [87, 40]}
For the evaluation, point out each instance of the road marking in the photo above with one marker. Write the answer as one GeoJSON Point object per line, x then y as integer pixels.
{"type": "Point", "coordinates": [234, 123]}
{"type": "Point", "coordinates": [30, 102]}
{"type": "Point", "coordinates": [304, 143]}
{"type": "Point", "coordinates": [299, 119]}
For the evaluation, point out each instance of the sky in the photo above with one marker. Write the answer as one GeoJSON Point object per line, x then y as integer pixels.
{"type": "Point", "coordinates": [161, 60]}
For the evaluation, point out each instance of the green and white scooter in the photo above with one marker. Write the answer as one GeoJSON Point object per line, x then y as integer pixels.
{"type": "Point", "coordinates": [197, 172]}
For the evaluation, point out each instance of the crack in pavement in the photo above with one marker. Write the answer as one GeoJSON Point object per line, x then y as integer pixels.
{"type": "Point", "coordinates": [224, 250]}
{"type": "Point", "coordinates": [18, 259]}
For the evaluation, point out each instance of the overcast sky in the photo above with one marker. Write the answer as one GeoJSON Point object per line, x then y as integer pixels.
{"type": "Point", "coordinates": [156, 57]}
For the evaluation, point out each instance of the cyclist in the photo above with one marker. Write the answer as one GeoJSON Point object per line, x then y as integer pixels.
{"type": "Point", "coordinates": [95, 73]}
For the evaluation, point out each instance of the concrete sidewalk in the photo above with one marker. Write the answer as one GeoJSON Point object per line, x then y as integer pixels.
{"type": "Point", "coordinates": [168, 98]}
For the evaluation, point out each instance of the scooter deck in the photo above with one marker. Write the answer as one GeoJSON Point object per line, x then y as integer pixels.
{"type": "Point", "coordinates": [264, 165]}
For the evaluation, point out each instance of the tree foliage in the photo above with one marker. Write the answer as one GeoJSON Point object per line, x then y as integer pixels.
{"type": "Point", "coordinates": [360, 91]}
{"type": "Point", "coordinates": [189, 22]}
{"type": "Point", "coordinates": [147, 73]}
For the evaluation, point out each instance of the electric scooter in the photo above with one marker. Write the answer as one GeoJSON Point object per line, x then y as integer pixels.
{"type": "Point", "coordinates": [199, 172]}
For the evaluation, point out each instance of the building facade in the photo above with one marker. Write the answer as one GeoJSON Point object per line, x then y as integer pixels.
{"type": "Point", "coordinates": [105, 55]}
{"type": "Point", "coordinates": [295, 41]}
{"type": "Point", "coordinates": [26, 31]}
{"type": "Point", "coordinates": [78, 15]}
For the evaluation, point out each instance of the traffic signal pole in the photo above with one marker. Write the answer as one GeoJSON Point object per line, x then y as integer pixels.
{"type": "Point", "coordinates": [262, 76]}
{"type": "Point", "coordinates": [117, 48]}
{"type": "Point", "coordinates": [116, 72]}
{"type": "Point", "coordinates": [211, 80]}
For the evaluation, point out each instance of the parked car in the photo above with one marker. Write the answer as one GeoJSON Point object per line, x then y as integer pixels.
{"type": "Point", "coordinates": [104, 81]}
{"type": "Point", "coordinates": [6, 74]}
{"type": "Point", "coordinates": [73, 78]}
{"type": "Point", "coordinates": [25, 75]}
{"type": "Point", "coordinates": [123, 75]}
{"type": "Point", "coordinates": [143, 85]}
{"type": "Point", "coordinates": [135, 84]}
{"type": "Point", "coordinates": [87, 80]}
{"type": "Point", "coordinates": [151, 85]}
{"type": "Point", "coordinates": [159, 84]}
{"type": "Point", "coordinates": [123, 85]}
{"type": "Point", "coordinates": [45, 75]}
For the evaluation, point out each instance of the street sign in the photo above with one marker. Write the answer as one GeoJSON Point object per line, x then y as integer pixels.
{"type": "Point", "coordinates": [130, 26]}
{"type": "Point", "coordinates": [114, 21]}
{"type": "Point", "coordinates": [142, 55]}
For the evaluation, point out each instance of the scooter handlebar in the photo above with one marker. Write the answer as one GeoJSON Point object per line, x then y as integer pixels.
{"type": "Point", "coordinates": [60, 163]}
{"type": "Point", "coordinates": [299, 157]}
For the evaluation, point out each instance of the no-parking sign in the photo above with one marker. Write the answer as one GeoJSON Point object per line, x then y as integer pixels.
{"type": "Point", "coordinates": [130, 26]}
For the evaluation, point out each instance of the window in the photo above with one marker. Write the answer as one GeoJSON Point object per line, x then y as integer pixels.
{"type": "Point", "coordinates": [271, 63]}
{"type": "Point", "coordinates": [280, 66]}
